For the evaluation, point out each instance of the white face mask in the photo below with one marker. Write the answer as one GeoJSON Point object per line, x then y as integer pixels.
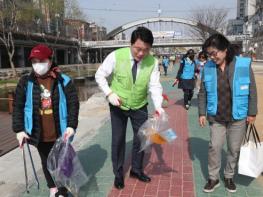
{"type": "Point", "coordinates": [41, 68]}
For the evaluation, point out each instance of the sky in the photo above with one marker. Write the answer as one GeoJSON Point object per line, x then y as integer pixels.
{"type": "Point", "coordinates": [114, 13]}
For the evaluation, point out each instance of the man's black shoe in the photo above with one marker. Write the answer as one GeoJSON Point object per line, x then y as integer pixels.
{"type": "Point", "coordinates": [119, 183]}
{"type": "Point", "coordinates": [141, 176]}
{"type": "Point", "coordinates": [230, 185]}
{"type": "Point", "coordinates": [211, 185]}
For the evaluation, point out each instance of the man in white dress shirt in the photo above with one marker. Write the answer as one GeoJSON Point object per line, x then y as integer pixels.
{"type": "Point", "coordinates": [134, 74]}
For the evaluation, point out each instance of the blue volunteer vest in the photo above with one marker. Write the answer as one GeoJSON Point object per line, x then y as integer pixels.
{"type": "Point", "coordinates": [28, 110]}
{"type": "Point", "coordinates": [188, 70]}
{"type": "Point", "coordinates": [240, 89]}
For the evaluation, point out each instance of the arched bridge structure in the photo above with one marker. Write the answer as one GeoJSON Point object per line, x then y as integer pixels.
{"type": "Point", "coordinates": [127, 26]}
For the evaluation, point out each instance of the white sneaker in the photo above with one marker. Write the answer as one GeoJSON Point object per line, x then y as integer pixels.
{"type": "Point", "coordinates": [53, 191]}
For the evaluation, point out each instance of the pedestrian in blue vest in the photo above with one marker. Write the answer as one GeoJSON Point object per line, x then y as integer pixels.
{"type": "Point", "coordinates": [134, 73]}
{"type": "Point", "coordinates": [186, 77]}
{"type": "Point", "coordinates": [46, 106]}
{"type": "Point", "coordinates": [165, 63]}
{"type": "Point", "coordinates": [228, 100]}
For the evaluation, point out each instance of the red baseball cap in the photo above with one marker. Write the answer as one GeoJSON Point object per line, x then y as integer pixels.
{"type": "Point", "coordinates": [41, 52]}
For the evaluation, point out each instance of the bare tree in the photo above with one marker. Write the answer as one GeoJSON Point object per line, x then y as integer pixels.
{"type": "Point", "coordinates": [8, 26]}
{"type": "Point", "coordinates": [210, 20]}
{"type": "Point", "coordinates": [73, 12]}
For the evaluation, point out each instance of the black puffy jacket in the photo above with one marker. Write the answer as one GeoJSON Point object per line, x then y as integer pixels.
{"type": "Point", "coordinates": [20, 99]}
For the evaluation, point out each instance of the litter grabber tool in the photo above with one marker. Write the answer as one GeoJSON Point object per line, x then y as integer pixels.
{"type": "Point", "coordinates": [32, 164]}
{"type": "Point", "coordinates": [25, 168]}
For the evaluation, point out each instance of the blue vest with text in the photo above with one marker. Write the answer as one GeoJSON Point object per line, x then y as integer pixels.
{"type": "Point", "coordinates": [240, 89]}
{"type": "Point", "coordinates": [188, 70]}
{"type": "Point", "coordinates": [28, 110]}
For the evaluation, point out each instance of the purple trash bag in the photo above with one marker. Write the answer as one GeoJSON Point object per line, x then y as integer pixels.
{"type": "Point", "coordinates": [66, 166]}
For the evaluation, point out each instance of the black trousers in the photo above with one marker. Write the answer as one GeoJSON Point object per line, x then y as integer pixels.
{"type": "Point", "coordinates": [44, 149]}
{"type": "Point", "coordinates": [188, 95]}
{"type": "Point", "coordinates": [119, 119]}
{"type": "Point", "coordinates": [165, 70]}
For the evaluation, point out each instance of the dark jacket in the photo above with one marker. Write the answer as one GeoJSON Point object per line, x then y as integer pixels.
{"type": "Point", "coordinates": [252, 99]}
{"type": "Point", "coordinates": [20, 99]}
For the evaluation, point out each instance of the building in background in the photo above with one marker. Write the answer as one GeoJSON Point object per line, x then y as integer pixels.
{"type": "Point", "coordinates": [245, 10]}
{"type": "Point", "coordinates": [41, 21]}
{"type": "Point", "coordinates": [249, 24]}
{"type": "Point", "coordinates": [78, 29]}
{"type": "Point", "coordinates": [254, 25]}
{"type": "Point", "coordinates": [98, 32]}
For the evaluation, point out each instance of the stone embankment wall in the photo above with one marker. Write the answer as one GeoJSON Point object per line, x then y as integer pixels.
{"type": "Point", "coordinates": [74, 70]}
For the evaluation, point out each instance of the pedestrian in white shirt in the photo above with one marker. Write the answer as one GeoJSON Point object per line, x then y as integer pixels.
{"type": "Point", "coordinates": [134, 74]}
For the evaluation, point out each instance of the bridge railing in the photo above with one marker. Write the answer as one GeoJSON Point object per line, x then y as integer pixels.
{"type": "Point", "coordinates": [91, 44]}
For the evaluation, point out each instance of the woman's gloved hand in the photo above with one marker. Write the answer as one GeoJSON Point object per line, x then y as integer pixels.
{"type": "Point", "coordinates": [21, 136]}
{"type": "Point", "coordinates": [68, 133]}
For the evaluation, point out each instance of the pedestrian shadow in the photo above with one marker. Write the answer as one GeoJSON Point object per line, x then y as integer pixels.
{"type": "Point", "coordinates": [194, 102]}
{"type": "Point", "coordinates": [198, 150]}
{"type": "Point", "coordinates": [92, 160]}
{"type": "Point", "coordinates": [179, 102]}
{"type": "Point", "coordinates": [157, 166]}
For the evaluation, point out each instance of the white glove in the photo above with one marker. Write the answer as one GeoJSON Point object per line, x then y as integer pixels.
{"type": "Point", "coordinates": [20, 137]}
{"type": "Point", "coordinates": [114, 99]}
{"type": "Point", "coordinates": [159, 111]}
{"type": "Point", "coordinates": [68, 133]}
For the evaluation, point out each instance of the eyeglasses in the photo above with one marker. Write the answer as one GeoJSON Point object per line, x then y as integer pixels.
{"type": "Point", "coordinates": [138, 49]}
{"type": "Point", "coordinates": [212, 54]}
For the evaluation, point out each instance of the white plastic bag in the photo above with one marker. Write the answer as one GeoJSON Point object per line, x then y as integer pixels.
{"type": "Point", "coordinates": [156, 130]}
{"type": "Point", "coordinates": [251, 154]}
{"type": "Point", "coordinates": [65, 167]}
{"type": "Point", "coordinates": [251, 159]}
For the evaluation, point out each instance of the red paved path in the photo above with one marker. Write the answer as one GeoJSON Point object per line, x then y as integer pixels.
{"type": "Point", "coordinates": [169, 165]}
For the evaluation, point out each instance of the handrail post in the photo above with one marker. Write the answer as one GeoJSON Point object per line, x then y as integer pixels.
{"type": "Point", "coordinates": [10, 101]}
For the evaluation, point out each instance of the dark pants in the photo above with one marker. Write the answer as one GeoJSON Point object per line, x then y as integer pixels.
{"type": "Point", "coordinates": [188, 95]}
{"type": "Point", "coordinates": [119, 119]}
{"type": "Point", "coordinates": [44, 149]}
{"type": "Point", "coordinates": [165, 70]}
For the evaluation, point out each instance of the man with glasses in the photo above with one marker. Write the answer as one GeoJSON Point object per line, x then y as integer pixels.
{"type": "Point", "coordinates": [134, 73]}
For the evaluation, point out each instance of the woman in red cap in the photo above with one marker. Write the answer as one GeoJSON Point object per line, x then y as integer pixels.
{"type": "Point", "coordinates": [46, 107]}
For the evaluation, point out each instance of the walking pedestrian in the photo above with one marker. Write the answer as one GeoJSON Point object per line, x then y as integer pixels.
{"type": "Point", "coordinates": [135, 72]}
{"type": "Point", "coordinates": [202, 59]}
{"type": "Point", "coordinates": [165, 64]}
{"type": "Point", "coordinates": [46, 107]}
{"type": "Point", "coordinates": [186, 77]}
{"type": "Point", "coordinates": [228, 98]}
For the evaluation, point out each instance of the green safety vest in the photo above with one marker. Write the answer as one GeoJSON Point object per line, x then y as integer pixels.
{"type": "Point", "coordinates": [133, 95]}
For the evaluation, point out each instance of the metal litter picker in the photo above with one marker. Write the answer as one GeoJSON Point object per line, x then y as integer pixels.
{"type": "Point", "coordinates": [25, 166]}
